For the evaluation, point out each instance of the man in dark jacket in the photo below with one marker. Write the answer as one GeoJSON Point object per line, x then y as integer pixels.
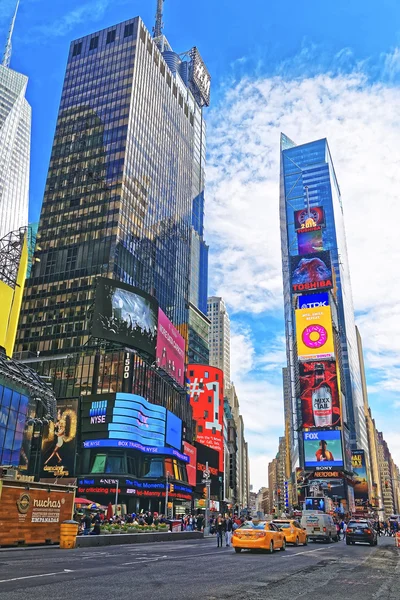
{"type": "Point", "coordinates": [220, 529]}
{"type": "Point", "coordinates": [228, 530]}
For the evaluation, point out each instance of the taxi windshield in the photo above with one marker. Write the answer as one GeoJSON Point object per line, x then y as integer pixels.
{"type": "Point", "coordinates": [253, 525]}
{"type": "Point", "coordinates": [285, 525]}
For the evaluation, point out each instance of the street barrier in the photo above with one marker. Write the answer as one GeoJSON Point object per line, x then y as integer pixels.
{"type": "Point", "coordinates": [68, 533]}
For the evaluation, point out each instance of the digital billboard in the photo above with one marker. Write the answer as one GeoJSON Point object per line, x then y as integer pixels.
{"type": "Point", "coordinates": [312, 503]}
{"type": "Point", "coordinates": [173, 433]}
{"type": "Point", "coordinates": [314, 333]}
{"type": "Point", "coordinates": [319, 395]}
{"type": "Point", "coordinates": [314, 300]}
{"type": "Point", "coordinates": [361, 479]}
{"type": "Point", "coordinates": [170, 350]}
{"type": "Point", "coordinates": [323, 447]}
{"type": "Point", "coordinates": [310, 240]}
{"type": "Point", "coordinates": [59, 441]}
{"type": "Point", "coordinates": [311, 272]}
{"type": "Point", "coordinates": [191, 468]}
{"type": "Point", "coordinates": [307, 218]}
{"type": "Point", "coordinates": [125, 314]}
{"type": "Point", "coordinates": [208, 455]}
{"type": "Point", "coordinates": [206, 386]}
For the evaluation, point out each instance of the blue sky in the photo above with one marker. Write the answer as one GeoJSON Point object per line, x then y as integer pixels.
{"type": "Point", "coordinates": [311, 69]}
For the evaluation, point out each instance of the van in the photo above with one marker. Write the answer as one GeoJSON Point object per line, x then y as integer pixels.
{"type": "Point", "coordinates": [319, 526]}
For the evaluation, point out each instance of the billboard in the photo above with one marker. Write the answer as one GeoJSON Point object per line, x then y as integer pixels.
{"type": "Point", "coordinates": [308, 218]}
{"type": "Point", "coordinates": [314, 300]}
{"type": "Point", "coordinates": [310, 240]}
{"type": "Point", "coordinates": [323, 447]}
{"type": "Point", "coordinates": [200, 78]}
{"type": "Point", "coordinates": [191, 468]}
{"type": "Point", "coordinates": [125, 314]}
{"type": "Point", "coordinates": [312, 503]}
{"type": "Point", "coordinates": [314, 333]}
{"type": "Point", "coordinates": [361, 479]}
{"type": "Point", "coordinates": [173, 433]}
{"type": "Point", "coordinates": [208, 455]}
{"type": "Point", "coordinates": [319, 395]}
{"type": "Point", "coordinates": [59, 441]}
{"type": "Point", "coordinates": [206, 386]}
{"type": "Point", "coordinates": [311, 272]}
{"type": "Point", "coordinates": [170, 350]}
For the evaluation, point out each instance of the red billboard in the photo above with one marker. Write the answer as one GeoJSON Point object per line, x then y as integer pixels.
{"type": "Point", "coordinates": [319, 394]}
{"type": "Point", "coordinates": [206, 385]}
{"type": "Point", "coordinates": [170, 350]}
{"type": "Point", "coordinates": [191, 468]}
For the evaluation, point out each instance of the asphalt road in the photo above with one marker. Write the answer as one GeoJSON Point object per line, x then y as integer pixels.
{"type": "Point", "coordinates": [199, 570]}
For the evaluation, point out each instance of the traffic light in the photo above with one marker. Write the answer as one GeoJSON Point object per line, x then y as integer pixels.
{"type": "Point", "coordinates": [171, 488]}
{"type": "Point", "coordinates": [386, 484]}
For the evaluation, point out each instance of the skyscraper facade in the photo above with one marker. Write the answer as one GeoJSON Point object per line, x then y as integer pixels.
{"type": "Point", "coordinates": [125, 171]}
{"type": "Point", "coordinates": [220, 336]}
{"type": "Point", "coordinates": [323, 377]}
{"type": "Point", "coordinates": [15, 134]}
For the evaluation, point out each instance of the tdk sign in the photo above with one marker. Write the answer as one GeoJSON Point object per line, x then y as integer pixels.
{"type": "Point", "coordinates": [314, 301]}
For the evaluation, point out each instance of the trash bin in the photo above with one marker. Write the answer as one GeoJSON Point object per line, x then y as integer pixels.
{"type": "Point", "coordinates": [68, 533]}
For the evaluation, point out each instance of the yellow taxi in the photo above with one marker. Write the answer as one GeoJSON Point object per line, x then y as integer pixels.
{"type": "Point", "coordinates": [258, 535]}
{"type": "Point", "coordinates": [292, 530]}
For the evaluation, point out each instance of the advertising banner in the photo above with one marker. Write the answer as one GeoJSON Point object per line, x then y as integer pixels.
{"type": "Point", "coordinates": [314, 333]}
{"type": "Point", "coordinates": [324, 446]}
{"type": "Point", "coordinates": [304, 219]}
{"type": "Point", "coordinates": [125, 314]}
{"type": "Point", "coordinates": [310, 240]}
{"type": "Point", "coordinates": [170, 350]}
{"type": "Point", "coordinates": [312, 503]}
{"type": "Point", "coordinates": [319, 395]}
{"type": "Point", "coordinates": [311, 272]}
{"type": "Point", "coordinates": [173, 434]}
{"type": "Point", "coordinates": [361, 480]}
{"type": "Point", "coordinates": [191, 451]}
{"type": "Point", "coordinates": [59, 441]}
{"type": "Point", "coordinates": [314, 300]}
{"type": "Point", "coordinates": [210, 456]}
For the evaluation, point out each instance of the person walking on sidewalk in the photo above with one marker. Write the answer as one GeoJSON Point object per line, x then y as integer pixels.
{"type": "Point", "coordinates": [228, 530]}
{"type": "Point", "coordinates": [220, 529]}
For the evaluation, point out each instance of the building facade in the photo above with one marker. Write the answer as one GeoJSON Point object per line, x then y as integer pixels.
{"type": "Point", "coordinates": [314, 261]}
{"type": "Point", "coordinates": [220, 336]}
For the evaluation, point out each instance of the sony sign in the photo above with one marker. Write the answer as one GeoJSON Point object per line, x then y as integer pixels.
{"type": "Point", "coordinates": [314, 300]}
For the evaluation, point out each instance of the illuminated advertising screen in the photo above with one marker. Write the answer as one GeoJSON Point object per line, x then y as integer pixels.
{"type": "Point", "coordinates": [319, 395]}
{"type": "Point", "coordinates": [170, 350]}
{"type": "Point", "coordinates": [206, 386]}
{"type": "Point", "coordinates": [304, 219]}
{"type": "Point", "coordinates": [361, 480]}
{"type": "Point", "coordinates": [59, 441]}
{"type": "Point", "coordinates": [208, 455]}
{"type": "Point", "coordinates": [125, 314]}
{"type": "Point", "coordinates": [323, 447]}
{"type": "Point", "coordinates": [314, 333]}
{"type": "Point", "coordinates": [314, 300]}
{"type": "Point", "coordinates": [191, 468]}
{"type": "Point", "coordinates": [173, 434]}
{"type": "Point", "coordinates": [311, 272]}
{"type": "Point", "coordinates": [312, 503]}
{"type": "Point", "coordinates": [310, 240]}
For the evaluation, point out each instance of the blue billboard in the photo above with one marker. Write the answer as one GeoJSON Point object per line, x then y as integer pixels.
{"type": "Point", "coordinates": [174, 430]}
{"type": "Point", "coordinates": [323, 448]}
{"type": "Point", "coordinates": [314, 300]}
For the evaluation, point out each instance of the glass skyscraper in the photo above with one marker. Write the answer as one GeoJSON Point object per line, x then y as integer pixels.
{"type": "Point", "coordinates": [308, 179]}
{"type": "Point", "coordinates": [15, 136]}
{"type": "Point", "coordinates": [125, 188]}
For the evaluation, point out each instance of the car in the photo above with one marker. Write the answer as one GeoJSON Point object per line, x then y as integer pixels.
{"type": "Point", "coordinates": [258, 535]}
{"type": "Point", "coordinates": [361, 530]}
{"type": "Point", "coordinates": [319, 527]}
{"type": "Point", "coordinates": [293, 531]}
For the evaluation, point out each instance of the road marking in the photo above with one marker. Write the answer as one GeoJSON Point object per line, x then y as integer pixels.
{"type": "Point", "coordinates": [306, 552]}
{"type": "Point", "coordinates": [145, 559]}
{"type": "Point", "coordinates": [33, 576]}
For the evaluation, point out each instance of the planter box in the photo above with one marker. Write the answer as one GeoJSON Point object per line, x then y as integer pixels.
{"type": "Point", "coordinates": [87, 541]}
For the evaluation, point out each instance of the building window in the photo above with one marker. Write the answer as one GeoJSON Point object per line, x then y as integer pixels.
{"type": "Point", "coordinates": [128, 31]}
{"type": "Point", "coordinates": [206, 374]}
{"type": "Point", "coordinates": [94, 42]}
{"type": "Point", "coordinates": [191, 373]}
{"type": "Point", "coordinates": [206, 414]}
{"type": "Point", "coordinates": [209, 399]}
{"type": "Point", "coordinates": [111, 36]}
{"type": "Point", "coordinates": [200, 428]}
{"type": "Point", "coordinates": [77, 49]}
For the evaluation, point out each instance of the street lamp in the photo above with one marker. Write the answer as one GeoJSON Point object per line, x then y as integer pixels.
{"type": "Point", "coordinates": [207, 482]}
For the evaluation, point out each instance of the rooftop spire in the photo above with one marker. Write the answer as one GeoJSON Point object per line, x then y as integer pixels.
{"type": "Point", "coordinates": [158, 27]}
{"type": "Point", "coordinates": [8, 48]}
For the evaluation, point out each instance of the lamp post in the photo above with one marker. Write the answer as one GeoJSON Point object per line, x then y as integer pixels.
{"type": "Point", "coordinates": [116, 497]}
{"type": "Point", "coordinates": [166, 494]}
{"type": "Point", "coordinates": [206, 480]}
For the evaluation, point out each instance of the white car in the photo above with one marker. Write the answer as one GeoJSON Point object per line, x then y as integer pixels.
{"type": "Point", "coordinates": [319, 526]}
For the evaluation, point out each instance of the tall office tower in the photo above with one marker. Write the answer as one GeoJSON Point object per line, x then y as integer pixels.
{"type": "Point", "coordinates": [125, 171]}
{"type": "Point", "coordinates": [15, 138]}
{"type": "Point", "coordinates": [220, 336]}
{"type": "Point", "coordinates": [323, 365]}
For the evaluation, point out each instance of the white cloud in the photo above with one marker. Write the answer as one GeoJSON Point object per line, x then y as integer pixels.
{"type": "Point", "coordinates": [361, 123]}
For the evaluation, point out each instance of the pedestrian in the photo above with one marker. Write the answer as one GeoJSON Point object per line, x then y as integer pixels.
{"type": "Point", "coordinates": [87, 522]}
{"type": "Point", "coordinates": [378, 528]}
{"type": "Point", "coordinates": [199, 522]}
{"type": "Point", "coordinates": [228, 530]}
{"type": "Point", "coordinates": [344, 530]}
{"type": "Point", "coordinates": [220, 529]}
{"type": "Point", "coordinates": [149, 519]}
{"type": "Point", "coordinates": [96, 525]}
{"type": "Point", "coordinates": [338, 530]}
